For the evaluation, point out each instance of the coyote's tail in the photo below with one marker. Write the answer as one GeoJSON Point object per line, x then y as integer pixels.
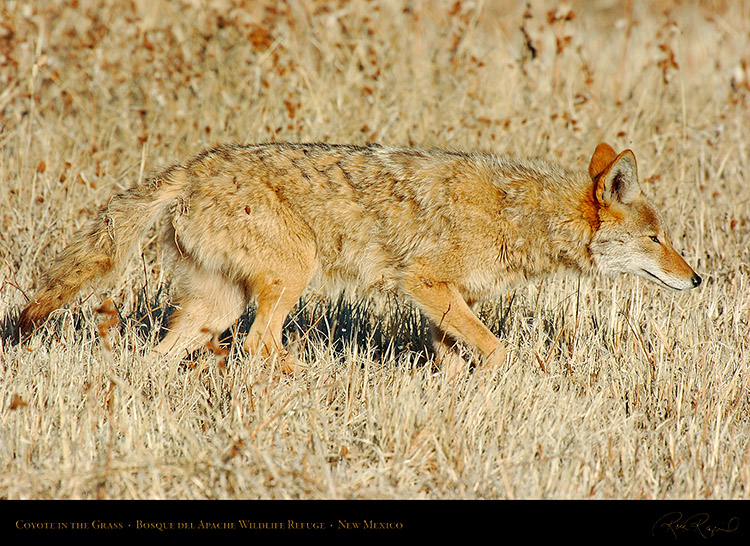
{"type": "Point", "coordinates": [103, 245]}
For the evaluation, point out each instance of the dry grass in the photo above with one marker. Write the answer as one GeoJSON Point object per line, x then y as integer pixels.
{"type": "Point", "coordinates": [615, 388]}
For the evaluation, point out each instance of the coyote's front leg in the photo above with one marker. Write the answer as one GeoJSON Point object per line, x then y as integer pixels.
{"type": "Point", "coordinates": [449, 313]}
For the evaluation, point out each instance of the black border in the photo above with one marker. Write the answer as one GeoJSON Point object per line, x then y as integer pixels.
{"type": "Point", "coordinates": [662, 522]}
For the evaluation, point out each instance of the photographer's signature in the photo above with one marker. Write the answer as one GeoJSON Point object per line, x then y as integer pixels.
{"type": "Point", "coordinates": [676, 524]}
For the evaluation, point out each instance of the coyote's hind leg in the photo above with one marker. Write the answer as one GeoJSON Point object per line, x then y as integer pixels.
{"type": "Point", "coordinates": [208, 303]}
{"type": "Point", "coordinates": [275, 300]}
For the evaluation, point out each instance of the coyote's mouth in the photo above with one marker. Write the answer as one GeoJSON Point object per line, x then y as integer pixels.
{"type": "Point", "coordinates": [661, 282]}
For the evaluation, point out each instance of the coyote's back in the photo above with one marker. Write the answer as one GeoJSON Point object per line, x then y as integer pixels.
{"type": "Point", "coordinates": [442, 228]}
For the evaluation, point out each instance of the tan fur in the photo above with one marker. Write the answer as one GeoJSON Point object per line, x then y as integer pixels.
{"type": "Point", "coordinates": [443, 228]}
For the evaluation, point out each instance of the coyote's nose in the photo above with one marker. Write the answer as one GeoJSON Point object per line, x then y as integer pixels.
{"type": "Point", "coordinates": [696, 280]}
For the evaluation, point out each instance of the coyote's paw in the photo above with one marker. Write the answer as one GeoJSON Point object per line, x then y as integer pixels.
{"type": "Point", "coordinates": [453, 365]}
{"type": "Point", "coordinates": [290, 364]}
{"type": "Point", "coordinates": [496, 360]}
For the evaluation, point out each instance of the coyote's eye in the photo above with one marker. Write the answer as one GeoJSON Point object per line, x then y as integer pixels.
{"type": "Point", "coordinates": [655, 239]}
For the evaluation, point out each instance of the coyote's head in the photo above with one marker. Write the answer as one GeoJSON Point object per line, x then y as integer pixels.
{"type": "Point", "coordinates": [630, 237]}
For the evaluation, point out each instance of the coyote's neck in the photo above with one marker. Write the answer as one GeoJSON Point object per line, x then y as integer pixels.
{"type": "Point", "coordinates": [557, 216]}
{"type": "Point", "coordinates": [572, 219]}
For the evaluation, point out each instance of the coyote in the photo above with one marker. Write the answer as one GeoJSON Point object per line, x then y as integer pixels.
{"type": "Point", "coordinates": [443, 228]}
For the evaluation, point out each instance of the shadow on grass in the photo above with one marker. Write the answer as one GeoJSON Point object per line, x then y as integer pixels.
{"type": "Point", "coordinates": [383, 330]}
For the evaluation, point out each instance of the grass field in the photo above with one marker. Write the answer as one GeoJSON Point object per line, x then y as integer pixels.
{"type": "Point", "coordinates": [614, 388]}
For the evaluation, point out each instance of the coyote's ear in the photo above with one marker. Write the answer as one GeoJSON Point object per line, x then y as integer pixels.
{"type": "Point", "coordinates": [603, 157]}
{"type": "Point", "coordinates": [618, 183]}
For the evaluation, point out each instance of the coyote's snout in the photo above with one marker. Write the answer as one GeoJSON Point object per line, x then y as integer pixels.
{"type": "Point", "coordinates": [442, 228]}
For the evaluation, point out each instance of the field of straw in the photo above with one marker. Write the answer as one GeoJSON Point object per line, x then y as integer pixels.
{"type": "Point", "coordinates": [613, 389]}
